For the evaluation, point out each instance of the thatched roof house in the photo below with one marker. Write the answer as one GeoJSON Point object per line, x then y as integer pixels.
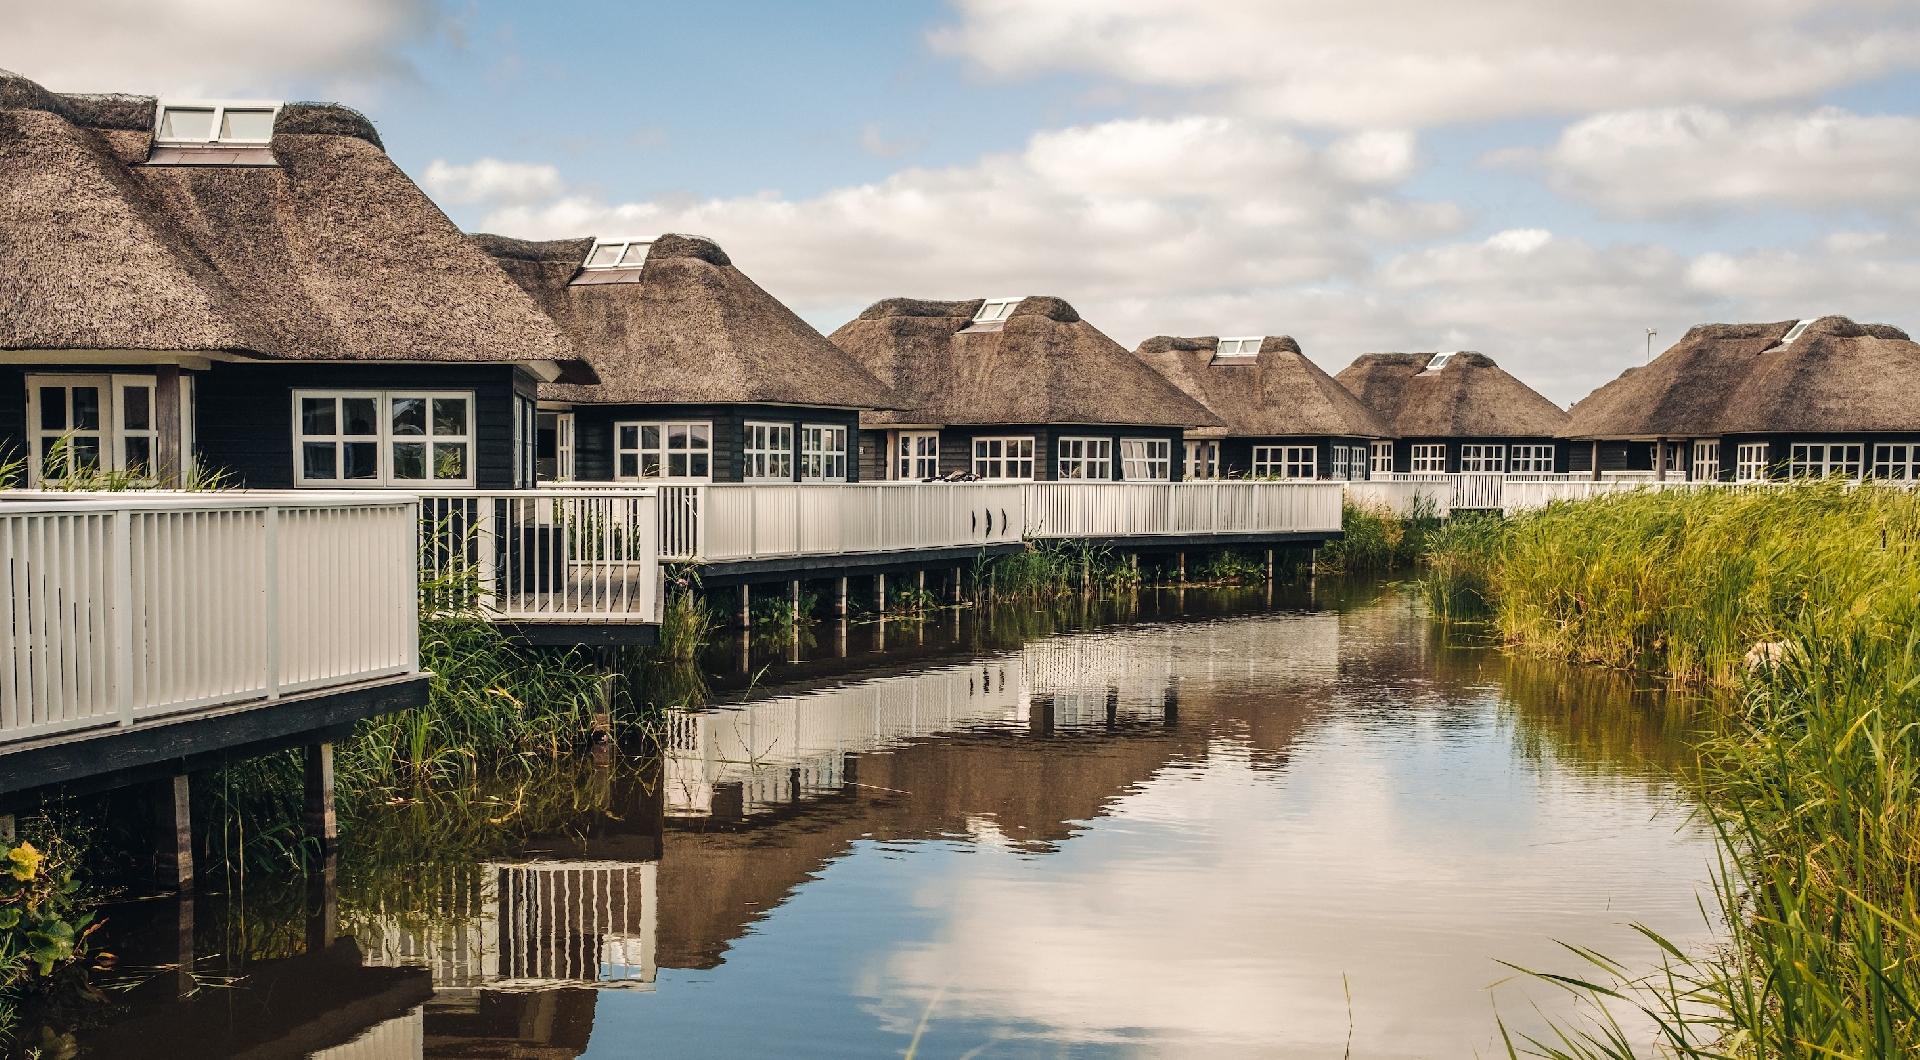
{"type": "Point", "coordinates": [1264, 390]}
{"type": "Point", "coordinates": [683, 341]}
{"type": "Point", "coordinates": [1460, 410]}
{"type": "Point", "coordinates": [224, 261]}
{"type": "Point", "coordinates": [1754, 399]}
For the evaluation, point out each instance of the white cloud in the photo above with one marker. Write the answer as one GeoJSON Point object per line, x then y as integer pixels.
{"type": "Point", "coordinates": [209, 47]}
{"type": "Point", "coordinates": [1678, 159]}
{"type": "Point", "coordinates": [1409, 62]}
{"type": "Point", "coordinates": [489, 180]}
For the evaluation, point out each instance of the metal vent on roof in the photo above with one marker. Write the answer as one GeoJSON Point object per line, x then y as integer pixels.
{"type": "Point", "coordinates": [617, 254]}
{"type": "Point", "coordinates": [995, 310]}
{"type": "Point", "coordinates": [1440, 360]}
{"type": "Point", "coordinates": [1248, 346]}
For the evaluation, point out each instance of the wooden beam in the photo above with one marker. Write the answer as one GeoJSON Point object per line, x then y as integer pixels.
{"type": "Point", "coordinates": [321, 824]}
{"type": "Point", "coordinates": [171, 462]}
{"type": "Point", "coordinates": [172, 804]}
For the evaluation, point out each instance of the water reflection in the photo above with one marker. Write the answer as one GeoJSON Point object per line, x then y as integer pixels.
{"type": "Point", "coordinates": [1137, 828]}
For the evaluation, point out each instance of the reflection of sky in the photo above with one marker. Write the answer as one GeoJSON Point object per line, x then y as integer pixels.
{"type": "Point", "coordinates": [1216, 909]}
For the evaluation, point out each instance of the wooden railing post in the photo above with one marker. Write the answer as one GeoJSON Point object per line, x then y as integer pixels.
{"type": "Point", "coordinates": [122, 615]}
{"type": "Point", "coordinates": [270, 596]}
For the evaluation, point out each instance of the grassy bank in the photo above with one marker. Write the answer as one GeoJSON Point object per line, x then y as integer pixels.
{"type": "Point", "coordinates": [1376, 541]}
{"type": "Point", "coordinates": [1802, 607]}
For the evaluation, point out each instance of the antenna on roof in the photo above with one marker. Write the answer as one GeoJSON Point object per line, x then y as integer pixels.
{"type": "Point", "coordinates": [1651, 332]}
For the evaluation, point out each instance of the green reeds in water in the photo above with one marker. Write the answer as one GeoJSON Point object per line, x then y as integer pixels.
{"type": "Point", "coordinates": [1376, 541]}
{"type": "Point", "coordinates": [1047, 570]}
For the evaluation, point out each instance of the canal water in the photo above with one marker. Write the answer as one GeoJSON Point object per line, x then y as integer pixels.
{"type": "Point", "coordinates": [1293, 823]}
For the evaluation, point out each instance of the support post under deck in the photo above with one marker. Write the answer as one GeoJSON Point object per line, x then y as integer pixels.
{"type": "Point", "coordinates": [173, 833]}
{"type": "Point", "coordinates": [746, 606]}
{"type": "Point", "coordinates": [880, 593]}
{"type": "Point", "coordinates": [321, 824]}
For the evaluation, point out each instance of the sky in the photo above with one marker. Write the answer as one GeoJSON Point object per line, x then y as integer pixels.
{"type": "Point", "coordinates": [1539, 180]}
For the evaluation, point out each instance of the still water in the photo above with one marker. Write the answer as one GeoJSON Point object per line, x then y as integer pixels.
{"type": "Point", "coordinates": [1293, 826]}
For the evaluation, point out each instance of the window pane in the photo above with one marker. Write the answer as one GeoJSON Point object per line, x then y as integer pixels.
{"type": "Point", "coordinates": [629, 436]}
{"type": "Point", "coordinates": [138, 453]}
{"type": "Point", "coordinates": [650, 436]}
{"type": "Point", "coordinates": [629, 466]}
{"type": "Point", "coordinates": [699, 466]}
{"type": "Point", "coordinates": [246, 124]}
{"type": "Point", "coordinates": [363, 460]}
{"type": "Point", "coordinates": [636, 254]}
{"type": "Point", "coordinates": [409, 460]}
{"type": "Point", "coordinates": [53, 408]}
{"type": "Point", "coordinates": [676, 436]}
{"type": "Point", "coordinates": [649, 464]}
{"type": "Point", "coordinates": [702, 435]}
{"type": "Point", "coordinates": [86, 452]}
{"type": "Point", "coordinates": [187, 123]}
{"type": "Point", "coordinates": [136, 408]}
{"type": "Point", "coordinates": [316, 416]}
{"type": "Point", "coordinates": [676, 465]}
{"type": "Point", "coordinates": [450, 417]}
{"type": "Point", "coordinates": [605, 254]}
{"type": "Point", "coordinates": [86, 408]}
{"type": "Point", "coordinates": [409, 416]}
{"type": "Point", "coordinates": [450, 461]}
{"type": "Point", "coordinates": [317, 460]}
{"type": "Point", "coordinates": [360, 417]}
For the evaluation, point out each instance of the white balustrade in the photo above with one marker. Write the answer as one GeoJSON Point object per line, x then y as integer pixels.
{"type": "Point", "coordinates": [766, 520]}
{"type": "Point", "coordinates": [119, 608]}
{"type": "Point", "coordinates": [544, 556]}
{"type": "Point", "coordinates": [1403, 497]}
{"type": "Point", "coordinates": [1160, 509]}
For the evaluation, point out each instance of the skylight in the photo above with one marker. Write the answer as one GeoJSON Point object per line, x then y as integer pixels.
{"type": "Point", "coordinates": [214, 124]}
{"type": "Point", "coordinates": [994, 310]}
{"type": "Point", "coordinates": [1795, 332]}
{"type": "Point", "coordinates": [1242, 347]}
{"type": "Point", "coordinates": [1439, 361]}
{"type": "Point", "coordinates": [618, 253]}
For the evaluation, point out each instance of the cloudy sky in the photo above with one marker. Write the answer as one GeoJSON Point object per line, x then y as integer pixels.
{"type": "Point", "coordinates": [1541, 180]}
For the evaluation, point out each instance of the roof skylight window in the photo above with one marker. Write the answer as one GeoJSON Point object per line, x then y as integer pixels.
{"type": "Point", "coordinates": [216, 124]}
{"type": "Point", "coordinates": [994, 310]}
{"type": "Point", "coordinates": [1795, 332]}
{"type": "Point", "coordinates": [1439, 361]}
{"type": "Point", "coordinates": [1242, 347]}
{"type": "Point", "coordinates": [618, 253]}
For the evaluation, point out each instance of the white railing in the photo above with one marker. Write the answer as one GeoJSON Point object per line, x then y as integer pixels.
{"type": "Point", "coordinates": [544, 556]}
{"type": "Point", "coordinates": [759, 521]}
{"type": "Point", "coordinates": [1159, 509]}
{"type": "Point", "coordinates": [120, 608]}
{"type": "Point", "coordinates": [1403, 497]}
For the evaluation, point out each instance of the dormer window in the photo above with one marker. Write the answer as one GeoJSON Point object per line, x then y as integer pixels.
{"type": "Point", "coordinates": [219, 124]}
{"type": "Point", "coordinates": [1795, 332]}
{"type": "Point", "coordinates": [1439, 361]}
{"type": "Point", "coordinates": [994, 310]}
{"type": "Point", "coordinates": [618, 253]}
{"type": "Point", "coordinates": [1242, 347]}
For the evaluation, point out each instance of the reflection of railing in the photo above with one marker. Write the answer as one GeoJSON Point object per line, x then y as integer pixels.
{"type": "Point", "coordinates": [549, 555]}
{"type": "Point", "coordinates": [400, 1038]}
{"type": "Point", "coordinates": [120, 608]}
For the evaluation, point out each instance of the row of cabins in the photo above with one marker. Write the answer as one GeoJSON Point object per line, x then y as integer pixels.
{"type": "Point", "coordinates": [258, 289]}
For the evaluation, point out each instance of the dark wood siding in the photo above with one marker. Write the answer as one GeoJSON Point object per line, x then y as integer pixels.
{"type": "Point", "coordinates": [956, 444]}
{"type": "Point", "coordinates": [593, 434]}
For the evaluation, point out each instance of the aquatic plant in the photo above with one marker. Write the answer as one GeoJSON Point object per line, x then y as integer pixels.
{"type": "Point", "coordinates": [1374, 540]}
{"type": "Point", "coordinates": [1230, 567]}
{"type": "Point", "coordinates": [1049, 569]}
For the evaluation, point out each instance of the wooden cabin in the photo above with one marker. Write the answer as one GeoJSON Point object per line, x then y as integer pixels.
{"type": "Point", "coordinates": [252, 288]}
{"type": "Point", "coordinates": [1282, 415]}
{"type": "Point", "coordinates": [1013, 389]}
{"type": "Point", "coordinates": [704, 376]}
{"type": "Point", "coordinates": [1457, 413]}
{"type": "Point", "coordinates": [1745, 402]}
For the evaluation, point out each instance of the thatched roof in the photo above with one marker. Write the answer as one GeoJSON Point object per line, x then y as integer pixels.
{"type": "Point", "coordinates": [1276, 393]}
{"type": "Point", "coordinates": [330, 254]}
{"type": "Point", "coordinates": [1838, 376]}
{"type": "Point", "coordinates": [687, 326]}
{"type": "Point", "coordinates": [1042, 364]}
{"type": "Point", "coordinates": [1468, 397]}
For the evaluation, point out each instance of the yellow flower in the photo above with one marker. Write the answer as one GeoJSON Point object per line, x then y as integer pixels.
{"type": "Point", "coordinates": [26, 861]}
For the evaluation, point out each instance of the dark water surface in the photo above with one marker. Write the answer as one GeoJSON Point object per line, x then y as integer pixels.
{"type": "Point", "coordinates": [1202, 826]}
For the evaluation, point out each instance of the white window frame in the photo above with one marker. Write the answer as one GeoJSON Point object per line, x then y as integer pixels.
{"type": "Point", "coordinates": [1479, 458]}
{"type": "Point", "coordinates": [1083, 459]}
{"type": "Point", "coordinates": [1896, 461]}
{"type": "Point", "coordinates": [1243, 347]}
{"type": "Point", "coordinates": [1146, 459]}
{"type": "Point", "coordinates": [1382, 458]}
{"type": "Point", "coordinates": [766, 451]}
{"type": "Point", "coordinates": [1752, 462]}
{"type": "Point", "coordinates": [994, 456]}
{"type": "Point", "coordinates": [632, 253]}
{"type": "Point", "coordinates": [219, 109]}
{"type": "Point", "coordinates": [384, 439]}
{"type": "Point", "coordinates": [1290, 462]}
{"type": "Point", "coordinates": [663, 450]}
{"type": "Point", "coordinates": [1429, 458]}
{"type": "Point", "coordinates": [995, 310]}
{"type": "Point", "coordinates": [564, 425]}
{"type": "Point", "coordinates": [1826, 459]}
{"type": "Point", "coordinates": [1706, 459]}
{"type": "Point", "coordinates": [1342, 461]}
{"type": "Point", "coordinates": [823, 452]}
{"type": "Point", "coordinates": [1203, 460]}
{"type": "Point", "coordinates": [916, 455]}
{"type": "Point", "coordinates": [1530, 458]}
{"type": "Point", "coordinates": [1439, 360]}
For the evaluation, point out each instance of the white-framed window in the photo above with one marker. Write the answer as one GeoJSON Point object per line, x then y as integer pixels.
{"type": "Point", "coordinates": [1241, 347]}
{"type": "Point", "coordinates": [1084, 458]}
{"type": "Point", "coordinates": [1146, 459]}
{"type": "Point", "coordinates": [1286, 461]}
{"type": "Point", "coordinates": [1531, 458]}
{"type": "Point", "coordinates": [768, 451]}
{"type": "Point", "coordinates": [1822, 459]}
{"type": "Point", "coordinates": [1342, 462]}
{"type": "Point", "coordinates": [1203, 460]}
{"type": "Point", "coordinates": [1897, 461]}
{"type": "Point", "coordinates": [526, 442]}
{"type": "Point", "coordinates": [1483, 459]}
{"type": "Point", "coordinates": [823, 453]}
{"type": "Point", "coordinates": [553, 446]}
{"type": "Point", "coordinates": [1358, 468]}
{"type": "Point", "coordinates": [1003, 458]}
{"type": "Point", "coordinates": [916, 455]}
{"type": "Point", "coordinates": [994, 310]}
{"type": "Point", "coordinates": [383, 437]}
{"type": "Point", "coordinates": [1676, 459]}
{"type": "Point", "coordinates": [190, 123]}
{"type": "Point", "coordinates": [617, 254]}
{"type": "Point", "coordinates": [1429, 457]}
{"type": "Point", "coordinates": [1383, 458]}
{"type": "Point", "coordinates": [1751, 462]}
{"type": "Point", "coordinates": [1706, 460]}
{"type": "Point", "coordinates": [664, 449]}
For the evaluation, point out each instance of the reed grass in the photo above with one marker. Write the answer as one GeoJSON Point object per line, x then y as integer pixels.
{"type": "Point", "coordinates": [1048, 570]}
{"type": "Point", "coordinates": [1374, 540]}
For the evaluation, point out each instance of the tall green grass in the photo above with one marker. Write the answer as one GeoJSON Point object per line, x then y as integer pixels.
{"type": "Point", "coordinates": [1375, 541]}
{"type": "Point", "coordinates": [1047, 570]}
{"type": "Point", "coordinates": [1813, 782]}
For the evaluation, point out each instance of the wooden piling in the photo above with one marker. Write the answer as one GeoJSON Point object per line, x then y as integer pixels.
{"type": "Point", "coordinates": [321, 824]}
{"type": "Point", "coordinates": [172, 805]}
